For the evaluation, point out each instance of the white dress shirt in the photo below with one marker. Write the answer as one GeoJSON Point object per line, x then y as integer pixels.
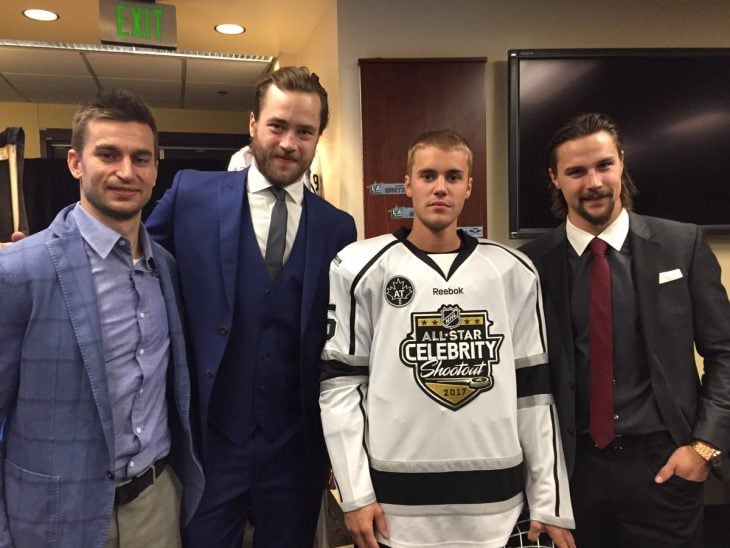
{"type": "Point", "coordinates": [261, 203]}
{"type": "Point", "coordinates": [614, 234]}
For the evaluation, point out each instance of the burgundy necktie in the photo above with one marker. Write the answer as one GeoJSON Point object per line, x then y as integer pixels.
{"type": "Point", "coordinates": [601, 346]}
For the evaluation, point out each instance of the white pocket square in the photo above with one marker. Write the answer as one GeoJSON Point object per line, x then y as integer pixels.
{"type": "Point", "coordinates": [669, 276]}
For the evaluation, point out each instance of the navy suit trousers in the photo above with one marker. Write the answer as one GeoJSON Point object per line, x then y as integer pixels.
{"type": "Point", "coordinates": [265, 481]}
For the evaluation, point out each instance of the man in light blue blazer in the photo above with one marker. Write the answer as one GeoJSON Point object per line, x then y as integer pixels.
{"type": "Point", "coordinates": [94, 385]}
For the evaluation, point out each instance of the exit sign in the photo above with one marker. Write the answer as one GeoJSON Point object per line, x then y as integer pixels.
{"type": "Point", "coordinates": [138, 23]}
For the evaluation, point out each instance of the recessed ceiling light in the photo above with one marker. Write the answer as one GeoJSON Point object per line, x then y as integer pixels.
{"type": "Point", "coordinates": [230, 28]}
{"type": "Point", "coordinates": [40, 15]}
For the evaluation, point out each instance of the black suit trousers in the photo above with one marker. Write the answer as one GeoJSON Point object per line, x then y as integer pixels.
{"type": "Point", "coordinates": [617, 504]}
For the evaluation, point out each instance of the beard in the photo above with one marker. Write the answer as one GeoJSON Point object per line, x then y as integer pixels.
{"type": "Point", "coordinates": [596, 219]}
{"type": "Point", "coordinates": [276, 176]}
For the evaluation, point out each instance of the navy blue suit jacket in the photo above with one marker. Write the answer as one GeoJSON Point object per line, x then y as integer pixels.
{"type": "Point", "coordinates": [199, 221]}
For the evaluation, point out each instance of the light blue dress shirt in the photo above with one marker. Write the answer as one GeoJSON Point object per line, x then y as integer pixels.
{"type": "Point", "coordinates": [136, 342]}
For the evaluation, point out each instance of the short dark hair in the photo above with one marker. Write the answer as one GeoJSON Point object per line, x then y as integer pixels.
{"type": "Point", "coordinates": [445, 139]}
{"type": "Point", "coordinates": [583, 125]}
{"type": "Point", "coordinates": [116, 105]}
{"type": "Point", "coordinates": [293, 79]}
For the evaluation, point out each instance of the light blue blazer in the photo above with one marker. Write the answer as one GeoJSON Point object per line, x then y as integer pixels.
{"type": "Point", "coordinates": [56, 488]}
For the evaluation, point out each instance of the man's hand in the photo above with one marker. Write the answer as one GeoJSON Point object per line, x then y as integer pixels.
{"type": "Point", "coordinates": [363, 522]}
{"type": "Point", "coordinates": [562, 538]}
{"type": "Point", "coordinates": [15, 237]}
{"type": "Point", "coordinates": [686, 463]}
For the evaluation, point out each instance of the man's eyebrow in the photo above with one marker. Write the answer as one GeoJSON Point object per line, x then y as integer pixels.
{"type": "Point", "coordinates": [605, 159]}
{"type": "Point", "coordinates": [105, 146]}
{"type": "Point", "coordinates": [287, 123]}
{"type": "Point", "coordinates": [108, 147]}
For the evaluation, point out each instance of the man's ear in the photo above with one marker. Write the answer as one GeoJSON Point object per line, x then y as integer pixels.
{"type": "Point", "coordinates": [74, 160]}
{"type": "Point", "coordinates": [251, 124]}
{"type": "Point", "coordinates": [553, 179]}
{"type": "Point", "coordinates": [468, 187]}
{"type": "Point", "coordinates": [407, 181]}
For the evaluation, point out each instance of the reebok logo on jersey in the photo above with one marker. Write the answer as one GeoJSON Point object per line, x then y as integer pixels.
{"type": "Point", "coordinates": [448, 291]}
{"type": "Point", "coordinates": [452, 354]}
{"type": "Point", "coordinates": [399, 291]}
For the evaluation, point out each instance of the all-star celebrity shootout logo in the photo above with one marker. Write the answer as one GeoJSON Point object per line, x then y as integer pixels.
{"type": "Point", "coordinates": [452, 354]}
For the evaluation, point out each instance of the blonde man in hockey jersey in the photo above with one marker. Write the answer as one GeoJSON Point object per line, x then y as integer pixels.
{"type": "Point", "coordinates": [435, 392]}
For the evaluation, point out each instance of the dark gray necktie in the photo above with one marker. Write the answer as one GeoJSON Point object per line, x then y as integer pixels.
{"type": "Point", "coordinates": [276, 242]}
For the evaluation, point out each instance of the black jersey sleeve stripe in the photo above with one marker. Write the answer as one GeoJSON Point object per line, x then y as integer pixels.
{"type": "Point", "coordinates": [430, 488]}
{"type": "Point", "coordinates": [556, 474]}
{"type": "Point", "coordinates": [361, 405]}
{"type": "Point", "coordinates": [532, 381]}
{"type": "Point", "coordinates": [353, 287]}
{"type": "Point", "coordinates": [330, 369]}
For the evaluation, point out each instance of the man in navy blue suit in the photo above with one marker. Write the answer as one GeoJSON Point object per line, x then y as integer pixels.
{"type": "Point", "coordinates": [257, 329]}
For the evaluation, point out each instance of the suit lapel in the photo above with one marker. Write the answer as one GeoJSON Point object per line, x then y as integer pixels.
{"type": "Point", "coordinates": [557, 288]}
{"type": "Point", "coordinates": [313, 261]}
{"type": "Point", "coordinates": [231, 191]}
{"type": "Point", "coordinates": [67, 255]}
{"type": "Point", "coordinates": [645, 253]}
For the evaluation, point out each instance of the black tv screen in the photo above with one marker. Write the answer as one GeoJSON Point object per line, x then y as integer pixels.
{"type": "Point", "coordinates": [673, 109]}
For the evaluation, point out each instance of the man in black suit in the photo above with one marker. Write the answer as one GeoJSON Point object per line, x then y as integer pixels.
{"type": "Point", "coordinates": [640, 482]}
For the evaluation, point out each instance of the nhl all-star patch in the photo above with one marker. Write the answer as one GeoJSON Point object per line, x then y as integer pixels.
{"type": "Point", "coordinates": [399, 291]}
{"type": "Point", "coordinates": [452, 354]}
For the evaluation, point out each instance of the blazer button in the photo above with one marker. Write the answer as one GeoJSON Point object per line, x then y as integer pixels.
{"type": "Point", "coordinates": [110, 475]}
{"type": "Point", "coordinates": [209, 373]}
{"type": "Point", "coordinates": [223, 330]}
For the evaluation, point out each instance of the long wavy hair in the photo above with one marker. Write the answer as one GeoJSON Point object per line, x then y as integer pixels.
{"type": "Point", "coordinates": [574, 128]}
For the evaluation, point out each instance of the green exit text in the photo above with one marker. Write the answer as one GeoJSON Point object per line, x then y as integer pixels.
{"type": "Point", "coordinates": [139, 22]}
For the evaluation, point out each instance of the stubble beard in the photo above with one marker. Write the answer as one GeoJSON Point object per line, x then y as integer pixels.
{"type": "Point", "coordinates": [108, 211]}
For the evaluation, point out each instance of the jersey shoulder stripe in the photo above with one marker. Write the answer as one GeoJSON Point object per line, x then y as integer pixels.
{"type": "Point", "coordinates": [352, 263]}
{"type": "Point", "coordinates": [356, 256]}
{"type": "Point", "coordinates": [526, 263]}
{"type": "Point", "coordinates": [516, 254]}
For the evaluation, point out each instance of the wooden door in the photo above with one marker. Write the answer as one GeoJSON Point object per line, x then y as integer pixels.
{"type": "Point", "coordinates": [402, 98]}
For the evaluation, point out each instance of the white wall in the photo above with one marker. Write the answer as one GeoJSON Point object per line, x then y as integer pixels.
{"type": "Point", "coordinates": [319, 54]}
{"type": "Point", "coordinates": [470, 28]}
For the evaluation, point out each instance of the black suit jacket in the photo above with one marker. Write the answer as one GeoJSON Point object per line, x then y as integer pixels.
{"type": "Point", "coordinates": [677, 310]}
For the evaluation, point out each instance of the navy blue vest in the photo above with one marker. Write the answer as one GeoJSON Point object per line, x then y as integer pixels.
{"type": "Point", "coordinates": [258, 382]}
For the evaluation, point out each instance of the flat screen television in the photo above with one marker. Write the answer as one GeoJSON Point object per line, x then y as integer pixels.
{"type": "Point", "coordinates": [673, 109]}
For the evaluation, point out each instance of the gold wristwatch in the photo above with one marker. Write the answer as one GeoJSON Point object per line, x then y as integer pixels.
{"type": "Point", "coordinates": [708, 452]}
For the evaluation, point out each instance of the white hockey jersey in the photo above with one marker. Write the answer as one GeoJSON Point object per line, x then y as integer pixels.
{"type": "Point", "coordinates": [435, 392]}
